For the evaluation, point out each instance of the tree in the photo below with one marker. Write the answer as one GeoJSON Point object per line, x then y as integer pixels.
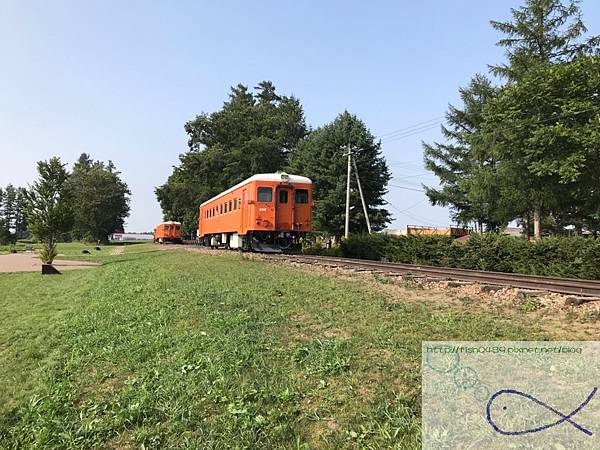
{"type": "Point", "coordinates": [320, 157]}
{"type": "Point", "coordinates": [483, 168]}
{"type": "Point", "coordinates": [21, 214]}
{"type": "Point", "coordinates": [99, 199]}
{"type": "Point", "coordinates": [5, 236]}
{"type": "Point", "coordinates": [9, 211]}
{"type": "Point", "coordinates": [541, 32]}
{"type": "Point", "coordinates": [546, 132]}
{"type": "Point", "coordinates": [48, 210]}
{"type": "Point", "coordinates": [252, 133]}
{"type": "Point", "coordinates": [463, 165]}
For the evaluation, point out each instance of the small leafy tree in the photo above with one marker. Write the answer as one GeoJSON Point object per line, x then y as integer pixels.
{"type": "Point", "coordinates": [48, 210]}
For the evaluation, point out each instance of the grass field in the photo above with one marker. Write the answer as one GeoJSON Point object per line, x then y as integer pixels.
{"type": "Point", "coordinates": [174, 349]}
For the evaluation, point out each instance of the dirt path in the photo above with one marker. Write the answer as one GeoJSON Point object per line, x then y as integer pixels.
{"type": "Point", "coordinates": [29, 262]}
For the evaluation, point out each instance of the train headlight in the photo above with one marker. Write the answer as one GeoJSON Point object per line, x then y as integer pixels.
{"type": "Point", "coordinates": [285, 177]}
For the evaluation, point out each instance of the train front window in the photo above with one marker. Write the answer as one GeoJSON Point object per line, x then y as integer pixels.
{"type": "Point", "coordinates": [265, 194]}
{"type": "Point", "coordinates": [283, 196]}
{"type": "Point", "coordinates": [301, 196]}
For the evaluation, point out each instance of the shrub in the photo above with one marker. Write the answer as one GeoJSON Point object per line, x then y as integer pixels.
{"type": "Point", "coordinates": [575, 257]}
{"type": "Point", "coordinates": [48, 252]}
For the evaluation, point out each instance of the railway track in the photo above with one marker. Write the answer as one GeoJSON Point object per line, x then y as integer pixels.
{"type": "Point", "coordinates": [572, 286]}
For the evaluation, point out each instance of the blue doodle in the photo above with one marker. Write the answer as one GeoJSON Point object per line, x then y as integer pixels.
{"type": "Point", "coordinates": [563, 417]}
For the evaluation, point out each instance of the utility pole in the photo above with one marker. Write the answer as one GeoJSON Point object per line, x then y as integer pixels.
{"type": "Point", "coordinates": [362, 198]}
{"type": "Point", "coordinates": [347, 224]}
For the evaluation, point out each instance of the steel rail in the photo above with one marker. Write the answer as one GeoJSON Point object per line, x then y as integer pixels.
{"type": "Point", "coordinates": [573, 286]}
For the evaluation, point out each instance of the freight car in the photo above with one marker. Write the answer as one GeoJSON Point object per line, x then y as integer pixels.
{"type": "Point", "coordinates": [168, 232]}
{"type": "Point", "coordinates": [268, 212]}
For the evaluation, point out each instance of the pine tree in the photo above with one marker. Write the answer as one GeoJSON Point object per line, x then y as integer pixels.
{"type": "Point", "coordinates": [21, 214]}
{"type": "Point", "coordinates": [462, 164]}
{"type": "Point", "coordinates": [541, 32]}
{"type": "Point", "coordinates": [320, 157]}
{"type": "Point", "coordinates": [5, 235]}
{"type": "Point", "coordinates": [546, 133]}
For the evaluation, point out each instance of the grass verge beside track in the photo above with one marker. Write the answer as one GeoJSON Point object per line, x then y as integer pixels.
{"type": "Point", "coordinates": [173, 349]}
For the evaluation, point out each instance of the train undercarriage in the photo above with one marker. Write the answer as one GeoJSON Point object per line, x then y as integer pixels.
{"type": "Point", "coordinates": [256, 241]}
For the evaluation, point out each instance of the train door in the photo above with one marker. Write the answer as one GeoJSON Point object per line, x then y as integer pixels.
{"type": "Point", "coordinates": [244, 212]}
{"type": "Point", "coordinates": [284, 208]}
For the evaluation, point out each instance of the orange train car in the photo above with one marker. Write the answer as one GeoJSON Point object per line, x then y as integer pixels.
{"type": "Point", "coordinates": [168, 232]}
{"type": "Point", "coordinates": [268, 212]}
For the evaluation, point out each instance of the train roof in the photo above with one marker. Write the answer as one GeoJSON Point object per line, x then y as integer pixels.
{"type": "Point", "coordinates": [170, 222]}
{"type": "Point", "coordinates": [278, 176]}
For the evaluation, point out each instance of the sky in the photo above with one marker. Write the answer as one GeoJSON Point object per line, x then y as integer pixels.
{"type": "Point", "coordinates": [118, 80]}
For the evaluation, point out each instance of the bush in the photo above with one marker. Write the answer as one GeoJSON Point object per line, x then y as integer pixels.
{"type": "Point", "coordinates": [321, 250]}
{"type": "Point", "coordinates": [48, 252]}
{"type": "Point", "coordinates": [575, 257]}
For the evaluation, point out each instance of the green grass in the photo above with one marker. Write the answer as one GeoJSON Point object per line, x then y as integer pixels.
{"type": "Point", "coordinates": [172, 349]}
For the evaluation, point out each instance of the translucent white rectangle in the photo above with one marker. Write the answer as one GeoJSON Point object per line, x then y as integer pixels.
{"type": "Point", "coordinates": [500, 395]}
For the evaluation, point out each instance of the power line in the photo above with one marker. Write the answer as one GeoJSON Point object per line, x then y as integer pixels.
{"type": "Point", "coordinates": [413, 205]}
{"type": "Point", "coordinates": [405, 129]}
{"type": "Point", "coordinates": [411, 133]}
{"type": "Point", "coordinates": [418, 175]}
{"type": "Point", "coordinates": [406, 188]}
{"type": "Point", "coordinates": [418, 219]}
{"type": "Point", "coordinates": [422, 127]}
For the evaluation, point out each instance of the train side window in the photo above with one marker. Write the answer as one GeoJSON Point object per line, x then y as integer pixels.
{"type": "Point", "coordinates": [230, 206]}
{"type": "Point", "coordinates": [235, 204]}
{"type": "Point", "coordinates": [283, 196]}
{"type": "Point", "coordinates": [265, 194]}
{"type": "Point", "coordinates": [240, 202]}
{"type": "Point", "coordinates": [221, 208]}
{"type": "Point", "coordinates": [301, 196]}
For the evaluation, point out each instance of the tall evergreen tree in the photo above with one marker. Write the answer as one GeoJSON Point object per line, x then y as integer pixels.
{"type": "Point", "coordinates": [320, 157]}
{"type": "Point", "coordinates": [545, 129]}
{"type": "Point", "coordinates": [252, 133]}
{"type": "Point", "coordinates": [462, 164]}
{"type": "Point", "coordinates": [482, 178]}
{"type": "Point", "coordinates": [21, 214]}
{"type": "Point", "coordinates": [9, 205]}
{"type": "Point", "coordinates": [541, 32]}
{"type": "Point", "coordinates": [5, 235]}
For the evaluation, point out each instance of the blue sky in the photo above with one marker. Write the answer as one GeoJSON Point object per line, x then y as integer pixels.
{"type": "Point", "coordinates": [118, 80]}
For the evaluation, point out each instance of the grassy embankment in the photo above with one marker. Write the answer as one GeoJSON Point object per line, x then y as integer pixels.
{"type": "Point", "coordinates": [178, 349]}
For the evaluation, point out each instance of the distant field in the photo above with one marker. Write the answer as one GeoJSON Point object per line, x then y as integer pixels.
{"type": "Point", "coordinates": [173, 349]}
